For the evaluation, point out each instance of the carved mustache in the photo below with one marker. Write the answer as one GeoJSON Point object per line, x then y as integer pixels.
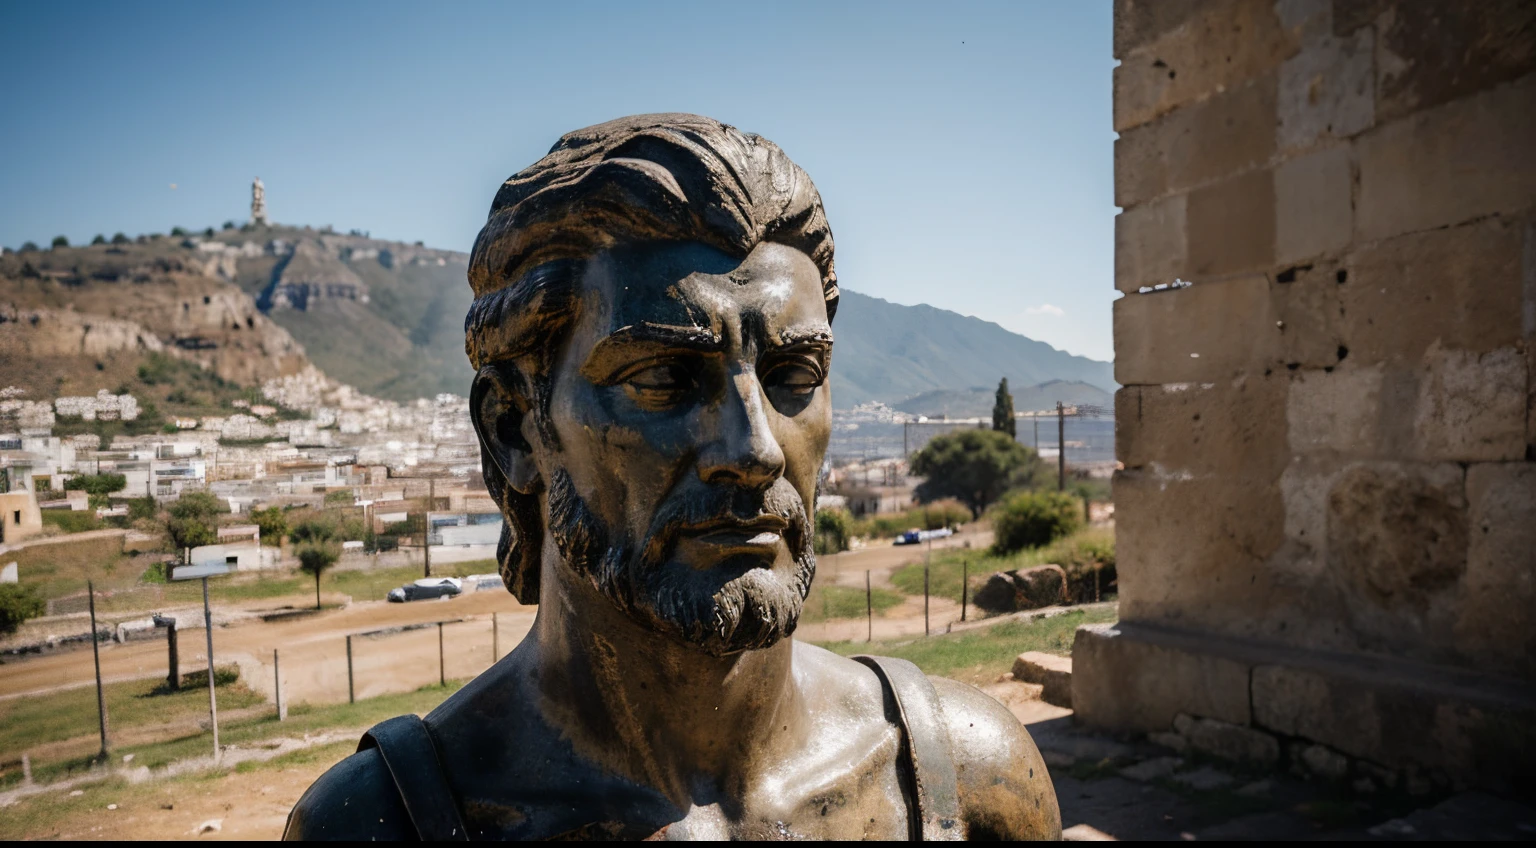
{"type": "Point", "coordinates": [702, 509]}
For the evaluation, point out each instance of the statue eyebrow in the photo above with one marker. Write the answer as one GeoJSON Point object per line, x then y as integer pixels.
{"type": "Point", "coordinates": [699, 338]}
{"type": "Point", "coordinates": [637, 340]}
{"type": "Point", "coordinates": [813, 334]}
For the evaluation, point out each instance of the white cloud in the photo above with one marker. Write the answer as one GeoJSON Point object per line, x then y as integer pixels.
{"type": "Point", "coordinates": [1045, 309]}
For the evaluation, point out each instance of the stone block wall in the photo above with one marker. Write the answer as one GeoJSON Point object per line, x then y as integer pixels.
{"type": "Point", "coordinates": [1327, 347]}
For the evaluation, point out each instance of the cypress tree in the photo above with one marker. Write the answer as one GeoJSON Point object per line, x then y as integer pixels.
{"type": "Point", "coordinates": [1002, 411]}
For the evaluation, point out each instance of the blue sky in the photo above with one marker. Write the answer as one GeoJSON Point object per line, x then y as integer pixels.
{"type": "Point", "coordinates": [963, 150]}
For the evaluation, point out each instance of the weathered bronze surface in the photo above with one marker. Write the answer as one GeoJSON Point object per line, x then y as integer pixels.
{"type": "Point", "coordinates": [652, 331]}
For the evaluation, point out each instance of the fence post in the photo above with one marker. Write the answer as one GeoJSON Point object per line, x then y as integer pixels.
{"type": "Point", "coordinates": [351, 692]}
{"type": "Point", "coordinates": [173, 662]}
{"type": "Point", "coordinates": [965, 585]}
{"type": "Point", "coordinates": [101, 700]}
{"type": "Point", "coordinates": [442, 677]}
{"type": "Point", "coordinates": [925, 599]}
{"type": "Point", "coordinates": [277, 688]}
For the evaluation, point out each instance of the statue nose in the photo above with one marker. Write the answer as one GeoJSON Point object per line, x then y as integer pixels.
{"type": "Point", "coordinates": [744, 451]}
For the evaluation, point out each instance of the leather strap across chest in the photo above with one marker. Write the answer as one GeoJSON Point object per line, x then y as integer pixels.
{"type": "Point", "coordinates": [411, 756]}
{"type": "Point", "coordinates": [935, 801]}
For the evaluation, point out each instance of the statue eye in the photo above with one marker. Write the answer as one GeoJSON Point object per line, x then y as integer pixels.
{"type": "Point", "coordinates": [798, 376]}
{"type": "Point", "coordinates": [660, 383]}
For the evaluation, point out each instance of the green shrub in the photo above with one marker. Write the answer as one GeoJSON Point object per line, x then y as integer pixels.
{"type": "Point", "coordinates": [834, 527]}
{"type": "Point", "coordinates": [156, 573]}
{"type": "Point", "coordinates": [60, 241]}
{"type": "Point", "coordinates": [341, 497]}
{"type": "Point", "coordinates": [71, 521]}
{"type": "Point", "coordinates": [1032, 519]}
{"type": "Point", "coordinates": [223, 675]}
{"type": "Point", "coordinates": [17, 604]}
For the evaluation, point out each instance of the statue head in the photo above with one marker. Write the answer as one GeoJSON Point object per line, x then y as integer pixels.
{"type": "Point", "coordinates": [652, 334]}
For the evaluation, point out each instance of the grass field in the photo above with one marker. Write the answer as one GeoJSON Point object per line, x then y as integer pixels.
{"type": "Point", "coordinates": [979, 656]}
{"type": "Point", "coordinates": [829, 602]}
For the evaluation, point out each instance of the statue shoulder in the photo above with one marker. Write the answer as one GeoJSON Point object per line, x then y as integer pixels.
{"type": "Point", "coordinates": [355, 800]}
{"type": "Point", "coordinates": [1005, 790]}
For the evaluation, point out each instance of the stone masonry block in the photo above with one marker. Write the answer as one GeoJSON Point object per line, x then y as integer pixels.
{"type": "Point", "coordinates": [1472, 406]}
{"type": "Point", "coordinates": [1149, 244]}
{"type": "Point", "coordinates": [1493, 621]}
{"type": "Point", "coordinates": [1335, 412]}
{"type": "Point", "coordinates": [1397, 549]}
{"type": "Point", "coordinates": [1232, 132]}
{"type": "Point", "coordinates": [1432, 53]}
{"type": "Point", "coordinates": [1053, 673]}
{"type": "Point", "coordinates": [1326, 91]}
{"type": "Point", "coordinates": [1140, 21]}
{"type": "Point", "coordinates": [1122, 681]}
{"type": "Point", "coordinates": [1215, 48]}
{"type": "Point", "coordinates": [1206, 332]}
{"type": "Point", "coordinates": [1453, 163]}
{"type": "Point", "coordinates": [1459, 286]}
{"type": "Point", "coordinates": [1233, 742]}
{"type": "Point", "coordinates": [1194, 550]}
{"type": "Point", "coordinates": [1214, 331]}
{"type": "Point", "coordinates": [1403, 715]}
{"type": "Point", "coordinates": [1231, 226]}
{"type": "Point", "coordinates": [1313, 211]}
{"type": "Point", "coordinates": [1303, 559]}
{"type": "Point", "coordinates": [1204, 428]}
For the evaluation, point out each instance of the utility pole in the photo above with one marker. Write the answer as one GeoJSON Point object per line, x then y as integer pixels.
{"type": "Point", "coordinates": [101, 700]}
{"type": "Point", "coordinates": [213, 703]}
{"type": "Point", "coordinates": [1061, 447]}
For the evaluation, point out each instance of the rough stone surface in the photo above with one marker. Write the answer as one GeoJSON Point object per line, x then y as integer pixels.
{"type": "Point", "coordinates": [1053, 673]}
{"type": "Point", "coordinates": [1023, 589]}
{"type": "Point", "coordinates": [1321, 761]}
{"type": "Point", "coordinates": [1203, 427]}
{"type": "Point", "coordinates": [1424, 60]}
{"type": "Point", "coordinates": [1233, 742]}
{"type": "Point", "coordinates": [1231, 133]}
{"type": "Point", "coordinates": [1126, 683]}
{"type": "Point", "coordinates": [1313, 210]}
{"type": "Point", "coordinates": [1458, 287]}
{"type": "Point", "coordinates": [1149, 244]}
{"type": "Point", "coordinates": [1338, 412]}
{"type": "Point", "coordinates": [1203, 779]}
{"type": "Point", "coordinates": [1326, 91]}
{"type": "Point", "coordinates": [1202, 544]}
{"type": "Point", "coordinates": [1460, 161]}
{"type": "Point", "coordinates": [1153, 769]}
{"type": "Point", "coordinates": [1472, 406]}
{"type": "Point", "coordinates": [1189, 335]}
{"type": "Point", "coordinates": [1232, 226]}
{"type": "Point", "coordinates": [1216, 48]}
{"type": "Point", "coordinates": [1499, 590]}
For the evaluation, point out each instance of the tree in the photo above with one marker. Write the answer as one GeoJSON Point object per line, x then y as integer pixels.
{"type": "Point", "coordinates": [208, 233]}
{"type": "Point", "coordinates": [315, 539]}
{"type": "Point", "coordinates": [316, 559]}
{"type": "Point", "coordinates": [273, 524]}
{"type": "Point", "coordinates": [99, 239]}
{"type": "Point", "coordinates": [193, 520]}
{"type": "Point", "coordinates": [834, 527]}
{"type": "Point", "coordinates": [1031, 519]}
{"type": "Point", "coordinates": [60, 241]}
{"type": "Point", "coordinates": [98, 486]}
{"type": "Point", "coordinates": [229, 225]}
{"type": "Point", "coordinates": [973, 466]}
{"type": "Point", "coordinates": [17, 604]}
{"type": "Point", "coordinates": [1002, 411]}
{"type": "Point", "coordinates": [27, 247]}
{"type": "Point", "coordinates": [119, 238]}
{"type": "Point", "coordinates": [142, 508]}
{"type": "Point", "coordinates": [178, 231]}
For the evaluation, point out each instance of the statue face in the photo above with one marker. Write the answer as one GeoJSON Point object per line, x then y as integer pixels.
{"type": "Point", "coordinates": [692, 413]}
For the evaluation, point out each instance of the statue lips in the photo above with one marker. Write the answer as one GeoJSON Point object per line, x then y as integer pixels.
{"type": "Point", "coordinates": [732, 535]}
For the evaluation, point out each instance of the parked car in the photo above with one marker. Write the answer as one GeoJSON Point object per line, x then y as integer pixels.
{"type": "Point", "coordinates": [914, 536]}
{"type": "Point", "coordinates": [426, 589]}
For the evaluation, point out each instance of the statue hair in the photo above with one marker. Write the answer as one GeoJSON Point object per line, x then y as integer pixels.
{"type": "Point", "coordinates": [635, 180]}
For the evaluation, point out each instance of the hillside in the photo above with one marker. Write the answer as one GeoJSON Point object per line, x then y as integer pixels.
{"type": "Point", "coordinates": [387, 318]}
{"type": "Point", "coordinates": [977, 402]}
{"type": "Point", "coordinates": [891, 353]}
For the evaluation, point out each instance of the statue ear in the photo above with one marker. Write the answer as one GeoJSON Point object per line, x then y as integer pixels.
{"type": "Point", "coordinates": [500, 417]}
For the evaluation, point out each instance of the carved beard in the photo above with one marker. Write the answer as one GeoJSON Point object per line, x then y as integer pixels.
{"type": "Point", "coordinates": [736, 606]}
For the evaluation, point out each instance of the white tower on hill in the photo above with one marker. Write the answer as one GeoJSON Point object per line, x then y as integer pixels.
{"type": "Point", "coordinates": [258, 202]}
